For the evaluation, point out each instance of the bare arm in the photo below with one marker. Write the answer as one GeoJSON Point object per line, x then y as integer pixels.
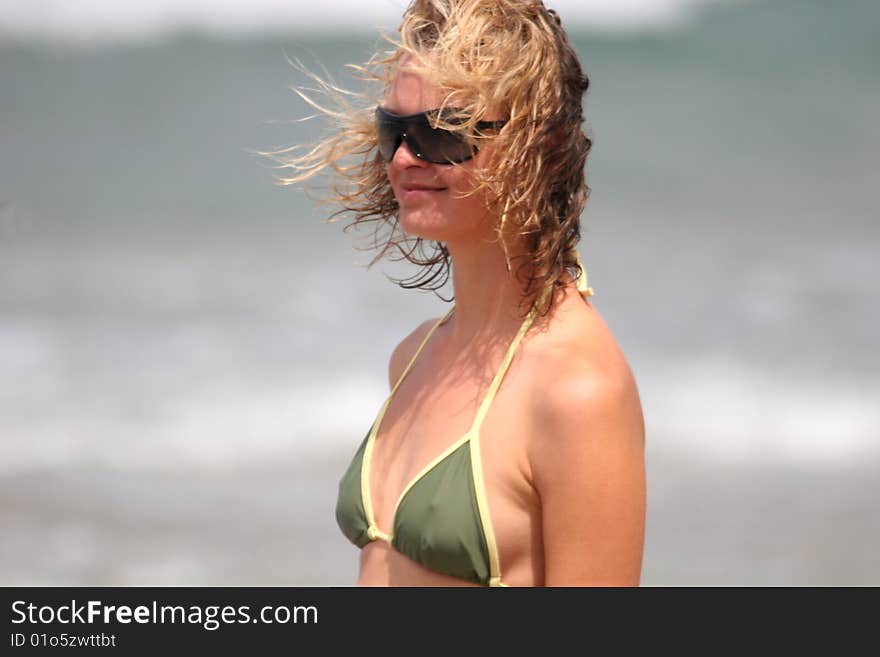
{"type": "Point", "coordinates": [589, 468]}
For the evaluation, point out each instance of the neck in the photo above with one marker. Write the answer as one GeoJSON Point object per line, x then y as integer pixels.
{"type": "Point", "coordinates": [488, 297]}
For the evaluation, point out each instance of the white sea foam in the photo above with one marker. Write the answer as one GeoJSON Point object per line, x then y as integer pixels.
{"type": "Point", "coordinates": [720, 409]}
{"type": "Point", "coordinates": [713, 409]}
{"type": "Point", "coordinates": [209, 429]}
{"type": "Point", "coordinates": [102, 21]}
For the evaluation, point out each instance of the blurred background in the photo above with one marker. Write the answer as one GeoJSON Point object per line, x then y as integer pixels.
{"type": "Point", "coordinates": [190, 354]}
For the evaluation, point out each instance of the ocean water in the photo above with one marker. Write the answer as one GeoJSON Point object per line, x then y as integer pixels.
{"type": "Point", "coordinates": [191, 353]}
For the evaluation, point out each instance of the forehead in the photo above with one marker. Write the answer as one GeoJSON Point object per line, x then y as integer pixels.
{"type": "Point", "coordinates": [410, 92]}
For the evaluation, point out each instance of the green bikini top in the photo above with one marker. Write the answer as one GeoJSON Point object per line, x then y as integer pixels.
{"type": "Point", "coordinates": [441, 519]}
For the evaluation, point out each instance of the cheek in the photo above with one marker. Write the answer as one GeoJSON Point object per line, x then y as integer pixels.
{"type": "Point", "coordinates": [461, 180]}
{"type": "Point", "coordinates": [463, 192]}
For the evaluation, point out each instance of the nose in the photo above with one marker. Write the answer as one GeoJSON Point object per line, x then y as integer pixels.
{"type": "Point", "coordinates": [404, 157]}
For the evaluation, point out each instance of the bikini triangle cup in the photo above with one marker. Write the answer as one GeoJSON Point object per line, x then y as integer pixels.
{"type": "Point", "coordinates": [441, 519]}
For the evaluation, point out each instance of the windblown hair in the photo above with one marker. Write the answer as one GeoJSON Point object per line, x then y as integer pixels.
{"type": "Point", "coordinates": [511, 56]}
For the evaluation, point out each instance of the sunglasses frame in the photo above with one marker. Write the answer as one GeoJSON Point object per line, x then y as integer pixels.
{"type": "Point", "coordinates": [404, 124]}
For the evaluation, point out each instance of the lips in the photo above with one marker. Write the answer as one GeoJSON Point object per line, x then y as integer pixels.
{"type": "Point", "coordinates": [416, 193]}
{"type": "Point", "coordinates": [421, 188]}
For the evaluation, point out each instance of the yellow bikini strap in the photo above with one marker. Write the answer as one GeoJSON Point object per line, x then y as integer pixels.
{"type": "Point", "coordinates": [499, 375]}
{"type": "Point", "coordinates": [476, 460]}
{"type": "Point", "coordinates": [419, 350]}
{"type": "Point", "coordinates": [583, 286]}
{"type": "Point", "coordinates": [373, 531]}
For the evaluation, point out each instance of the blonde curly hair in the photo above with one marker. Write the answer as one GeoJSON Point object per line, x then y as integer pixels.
{"type": "Point", "coordinates": [511, 56]}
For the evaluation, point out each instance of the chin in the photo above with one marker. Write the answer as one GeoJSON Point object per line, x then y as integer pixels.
{"type": "Point", "coordinates": [428, 226]}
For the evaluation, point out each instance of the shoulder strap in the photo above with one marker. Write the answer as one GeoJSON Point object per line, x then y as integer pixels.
{"type": "Point", "coordinates": [373, 530]}
{"type": "Point", "coordinates": [502, 370]}
{"type": "Point", "coordinates": [476, 460]}
{"type": "Point", "coordinates": [582, 285]}
{"type": "Point", "coordinates": [415, 356]}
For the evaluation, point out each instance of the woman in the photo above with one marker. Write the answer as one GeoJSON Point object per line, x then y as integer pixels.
{"type": "Point", "coordinates": [510, 450]}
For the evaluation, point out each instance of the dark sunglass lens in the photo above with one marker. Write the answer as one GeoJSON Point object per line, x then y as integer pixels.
{"type": "Point", "coordinates": [388, 143]}
{"type": "Point", "coordinates": [439, 146]}
{"type": "Point", "coordinates": [388, 134]}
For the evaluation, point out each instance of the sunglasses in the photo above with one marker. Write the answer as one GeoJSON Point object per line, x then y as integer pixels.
{"type": "Point", "coordinates": [427, 143]}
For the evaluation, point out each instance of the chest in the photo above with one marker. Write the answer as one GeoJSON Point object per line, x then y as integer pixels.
{"type": "Point", "coordinates": [426, 420]}
{"type": "Point", "coordinates": [423, 437]}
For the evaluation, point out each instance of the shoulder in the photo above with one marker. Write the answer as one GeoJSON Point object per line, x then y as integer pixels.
{"type": "Point", "coordinates": [587, 460]}
{"type": "Point", "coordinates": [406, 349]}
{"type": "Point", "coordinates": [585, 405]}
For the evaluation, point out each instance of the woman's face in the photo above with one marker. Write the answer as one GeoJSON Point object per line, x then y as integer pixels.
{"type": "Point", "coordinates": [433, 198]}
